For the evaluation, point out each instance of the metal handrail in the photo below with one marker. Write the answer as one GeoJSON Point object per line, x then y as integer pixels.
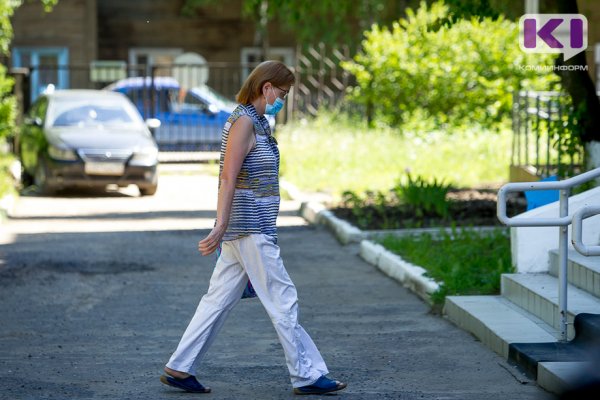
{"type": "Point", "coordinates": [577, 231]}
{"type": "Point", "coordinates": [562, 221]}
{"type": "Point", "coordinates": [564, 185]}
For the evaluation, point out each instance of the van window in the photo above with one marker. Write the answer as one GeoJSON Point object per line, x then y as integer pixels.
{"type": "Point", "coordinates": [192, 101]}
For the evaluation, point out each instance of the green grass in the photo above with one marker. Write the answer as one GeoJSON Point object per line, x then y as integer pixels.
{"type": "Point", "coordinates": [332, 155]}
{"type": "Point", "coordinates": [465, 262]}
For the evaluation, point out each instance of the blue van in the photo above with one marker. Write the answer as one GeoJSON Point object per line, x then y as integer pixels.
{"type": "Point", "coordinates": [191, 120]}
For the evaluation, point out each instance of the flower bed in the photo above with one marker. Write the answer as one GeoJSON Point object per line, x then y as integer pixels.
{"type": "Point", "coordinates": [466, 207]}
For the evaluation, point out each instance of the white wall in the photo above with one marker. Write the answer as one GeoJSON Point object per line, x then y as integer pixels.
{"type": "Point", "coordinates": [530, 245]}
{"type": "Point", "coordinates": [592, 150]}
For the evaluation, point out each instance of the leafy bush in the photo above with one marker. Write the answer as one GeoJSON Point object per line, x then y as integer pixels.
{"type": "Point", "coordinates": [7, 105]}
{"type": "Point", "coordinates": [424, 197]}
{"type": "Point", "coordinates": [371, 208]}
{"type": "Point", "coordinates": [417, 198]}
{"type": "Point", "coordinates": [7, 127]}
{"type": "Point", "coordinates": [464, 262]}
{"type": "Point", "coordinates": [7, 182]}
{"type": "Point", "coordinates": [7, 101]}
{"type": "Point", "coordinates": [457, 72]}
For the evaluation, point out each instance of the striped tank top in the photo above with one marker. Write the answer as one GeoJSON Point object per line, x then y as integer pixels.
{"type": "Point", "coordinates": [256, 198]}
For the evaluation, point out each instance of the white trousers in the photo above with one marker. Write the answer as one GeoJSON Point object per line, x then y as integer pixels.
{"type": "Point", "coordinates": [255, 257]}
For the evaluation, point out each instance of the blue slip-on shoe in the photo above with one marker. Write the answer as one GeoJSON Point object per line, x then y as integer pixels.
{"type": "Point", "coordinates": [321, 386]}
{"type": "Point", "coordinates": [189, 384]}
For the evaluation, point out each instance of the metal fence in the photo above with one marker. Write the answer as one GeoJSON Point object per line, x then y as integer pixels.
{"type": "Point", "coordinates": [542, 136]}
{"type": "Point", "coordinates": [192, 101]}
{"type": "Point", "coordinates": [320, 80]}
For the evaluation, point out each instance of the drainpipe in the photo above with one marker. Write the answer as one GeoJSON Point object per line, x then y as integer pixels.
{"type": "Point", "coordinates": [532, 6]}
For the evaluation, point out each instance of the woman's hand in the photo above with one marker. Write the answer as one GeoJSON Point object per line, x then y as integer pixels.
{"type": "Point", "coordinates": [210, 243]}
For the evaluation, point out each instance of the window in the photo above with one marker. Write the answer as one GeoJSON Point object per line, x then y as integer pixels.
{"type": "Point", "coordinates": [192, 103]}
{"type": "Point", "coordinates": [49, 67]}
{"type": "Point", "coordinates": [252, 55]}
{"type": "Point", "coordinates": [152, 56]}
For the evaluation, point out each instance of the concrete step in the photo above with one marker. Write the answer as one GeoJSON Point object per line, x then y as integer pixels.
{"type": "Point", "coordinates": [582, 271]}
{"type": "Point", "coordinates": [497, 322]}
{"type": "Point", "coordinates": [529, 356]}
{"type": "Point", "coordinates": [538, 295]}
{"type": "Point", "coordinates": [556, 377]}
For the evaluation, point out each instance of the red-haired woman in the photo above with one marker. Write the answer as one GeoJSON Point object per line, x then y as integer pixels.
{"type": "Point", "coordinates": [246, 234]}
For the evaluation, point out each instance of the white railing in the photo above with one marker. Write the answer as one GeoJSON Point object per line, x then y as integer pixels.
{"type": "Point", "coordinates": [577, 231]}
{"type": "Point", "coordinates": [562, 221]}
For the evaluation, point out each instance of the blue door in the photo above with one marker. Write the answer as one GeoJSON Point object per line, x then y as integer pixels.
{"type": "Point", "coordinates": [49, 67]}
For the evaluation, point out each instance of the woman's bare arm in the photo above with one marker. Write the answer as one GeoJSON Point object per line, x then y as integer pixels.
{"type": "Point", "coordinates": [239, 143]}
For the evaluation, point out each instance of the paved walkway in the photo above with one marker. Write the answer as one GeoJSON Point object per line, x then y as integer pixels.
{"type": "Point", "coordinates": [95, 292]}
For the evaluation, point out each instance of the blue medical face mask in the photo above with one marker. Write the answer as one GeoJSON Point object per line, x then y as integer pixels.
{"type": "Point", "coordinates": [272, 109]}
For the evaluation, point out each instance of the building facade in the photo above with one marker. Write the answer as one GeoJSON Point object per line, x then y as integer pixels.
{"type": "Point", "coordinates": [65, 45]}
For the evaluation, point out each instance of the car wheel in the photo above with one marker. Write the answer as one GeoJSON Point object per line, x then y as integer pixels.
{"type": "Point", "coordinates": [148, 190]}
{"type": "Point", "coordinates": [40, 178]}
{"type": "Point", "coordinates": [26, 178]}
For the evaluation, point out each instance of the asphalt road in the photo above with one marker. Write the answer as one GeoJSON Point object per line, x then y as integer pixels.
{"type": "Point", "coordinates": [97, 288]}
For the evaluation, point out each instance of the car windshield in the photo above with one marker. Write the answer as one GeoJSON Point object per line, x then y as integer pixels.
{"type": "Point", "coordinates": [97, 113]}
{"type": "Point", "coordinates": [213, 96]}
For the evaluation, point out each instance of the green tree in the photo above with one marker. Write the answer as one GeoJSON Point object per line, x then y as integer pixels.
{"type": "Point", "coordinates": [456, 72]}
{"type": "Point", "coordinates": [7, 8]}
{"type": "Point", "coordinates": [578, 83]}
{"type": "Point", "coordinates": [328, 21]}
{"type": "Point", "coordinates": [7, 101]}
{"type": "Point", "coordinates": [466, 9]}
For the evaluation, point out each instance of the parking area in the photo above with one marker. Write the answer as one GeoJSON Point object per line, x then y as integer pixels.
{"type": "Point", "coordinates": [96, 289]}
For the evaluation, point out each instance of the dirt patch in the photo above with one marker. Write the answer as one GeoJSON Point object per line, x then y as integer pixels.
{"type": "Point", "coordinates": [476, 207]}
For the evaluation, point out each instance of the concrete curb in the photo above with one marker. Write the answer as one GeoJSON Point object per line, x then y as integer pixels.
{"type": "Point", "coordinates": [313, 211]}
{"type": "Point", "coordinates": [7, 206]}
{"type": "Point", "coordinates": [434, 232]}
{"type": "Point", "coordinates": [8, 201]}
{"type": "Point", "coordinates": [291, 189]}
{"type": "Point", "coordinates": [411, 276]}
{"type": "Point", "coordinates": [317, 214]}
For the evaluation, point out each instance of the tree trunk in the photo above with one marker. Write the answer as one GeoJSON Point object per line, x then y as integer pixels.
{"type": "Point", "coordinates": [579, 85]}
{"type": "Point", "coordinates": [262, 30]}
{"type": "Point", "coordinates": [592, 155]}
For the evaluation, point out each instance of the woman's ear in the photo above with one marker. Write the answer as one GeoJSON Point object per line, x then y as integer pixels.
{"type": "Point", "coordinates": [265, 88]}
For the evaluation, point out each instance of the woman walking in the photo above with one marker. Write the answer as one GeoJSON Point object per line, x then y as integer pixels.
{"type": "Point", "coordinates": [246, 234]}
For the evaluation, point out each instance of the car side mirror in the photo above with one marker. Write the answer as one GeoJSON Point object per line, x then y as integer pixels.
{"type": "Point", "coordinates": [35, 121]}
{"type": "Point", "coordinates": [211, 110]}
{"type": "Point", "coordinates": [153, 123]}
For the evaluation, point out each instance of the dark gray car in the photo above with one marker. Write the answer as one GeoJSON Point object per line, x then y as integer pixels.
{"type": "Point", "coordinates": [90, 138]}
